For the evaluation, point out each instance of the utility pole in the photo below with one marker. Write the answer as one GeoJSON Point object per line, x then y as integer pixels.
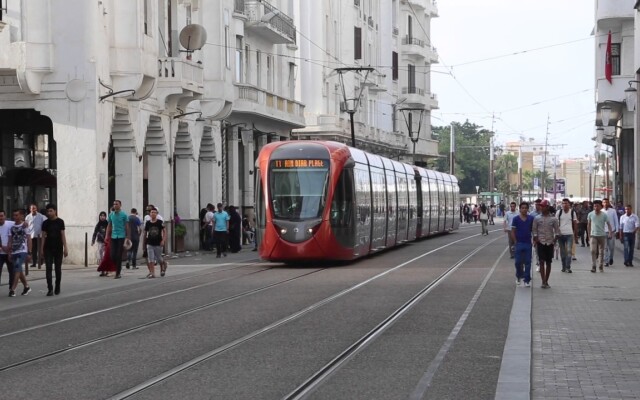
{"type": "Point", "coordinates": [452, 149]}
{"type": "Point", "coordinates": [491, 157]}
{"type": "Point", "coordinates": [544, 161]}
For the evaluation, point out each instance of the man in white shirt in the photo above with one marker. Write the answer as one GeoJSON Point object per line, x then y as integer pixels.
{"type": "Point", "coordinates": [568, 233]}
{"type": "Point", "coordinates": [629, 225]}
{"type": "Point", "coordinates": [611, 239]}
{"type": "Point", "coordinates": [508, 217]}
{"type": "Point", "coordinates": [34, 222]}
{"type": "Point", "coordinates": [5, 229]}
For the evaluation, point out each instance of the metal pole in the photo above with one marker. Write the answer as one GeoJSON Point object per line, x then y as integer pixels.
{"type": "Point", "coordinates": [491, 160]}
{"type": "Point", "coordinates": [414, 152]}
{"type": "Point", "coordinates": [353, 130]}
{"type": "Point", "coordinates": [452, 158]}
{"type": "Point", "coordinates": [520, 170]}
{"type": "Point", "coordinates": [590, 175]}
{"type": "Point", "coordinates": [86, 249]}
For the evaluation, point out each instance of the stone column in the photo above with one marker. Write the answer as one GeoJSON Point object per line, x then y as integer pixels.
{"type": "Point", "coordinates": [187, 202]}
{"type": "Point", "coordinates": [128, 179]}
{"type": "Point", "coordinates": [208, 192]}
{"type": "Point", "coordinates": [159, 173]}
{"type": "Point", "coordinates": [249, 177]}
{"type": "Point", "coordinates": [233, 168]}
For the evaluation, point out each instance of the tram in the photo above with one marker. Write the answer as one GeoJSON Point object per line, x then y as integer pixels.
{"type": "Point", "coordinates": [320, 200]}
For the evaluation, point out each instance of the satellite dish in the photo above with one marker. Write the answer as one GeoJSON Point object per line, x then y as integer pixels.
{"type": "Point", "coordinates": [193, 37]}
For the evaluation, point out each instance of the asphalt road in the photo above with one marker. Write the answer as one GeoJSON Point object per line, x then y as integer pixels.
{"type": "Point", "coordinates": [238, 328]}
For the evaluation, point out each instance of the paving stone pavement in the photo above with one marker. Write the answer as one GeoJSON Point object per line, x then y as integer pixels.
{"type": "Point", "coordinates": [586, 331]}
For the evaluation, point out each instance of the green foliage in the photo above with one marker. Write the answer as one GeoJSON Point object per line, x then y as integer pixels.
{"type": "Point", "coordinates": [472, 154]}
{"type": "Point", "coordinates": [180, 230]}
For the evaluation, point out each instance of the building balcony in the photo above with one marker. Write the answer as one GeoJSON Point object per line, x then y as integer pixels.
{"type": "Point", "coordinates": [414, 96]}
{"type": "Point", "coordinates": [413, 46]}
{"type": "Point", "coordinates": [179, 82]}
{"type": "Point", "coordinates": [376, 83]}
{"type": "Point", "coordinates": [432, 101]}
{"type": "Point", "coordinates": [258, 102]}
{"type": "Point", "coordinates": [619, 9]}
{"type": "Point", "coordinates": [268, 22]}
{"type": "Point", "coordinates": [432, 55]}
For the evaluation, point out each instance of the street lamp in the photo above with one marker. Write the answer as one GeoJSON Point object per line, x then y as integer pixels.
{"type": "Point", "coordinates": [408, 114]}
{"type": "Point", "coordinates": [351, 104]}
{"type": "Point", "coordinates": [631, 96]}
{"type": "Point", "coordinates": [477, 193]}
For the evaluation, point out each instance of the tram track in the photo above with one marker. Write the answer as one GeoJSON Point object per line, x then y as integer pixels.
{"type": "Point", "coordinates": [107, 292]}
{"type": "Point", "coordinates": [165, 376]}
{"type": "Point", "coordinates": [146, 325]}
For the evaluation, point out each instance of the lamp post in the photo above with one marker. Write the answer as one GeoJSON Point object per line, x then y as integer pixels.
{"type": "Point", "coordinates": [408, 113]}
{"type": "Point", "coordinates": [631, 97]}
{"type": "Point", "coordinates": [477, 193]}
{"type": "Point", "coordinates": [351, 104]}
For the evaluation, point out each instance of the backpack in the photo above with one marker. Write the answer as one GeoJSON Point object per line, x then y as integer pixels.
{"type": "Point", "coordinates": [561, 211]}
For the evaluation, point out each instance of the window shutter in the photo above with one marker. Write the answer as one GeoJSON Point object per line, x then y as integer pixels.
{"type": "Point", "coordinates": [357, 37]}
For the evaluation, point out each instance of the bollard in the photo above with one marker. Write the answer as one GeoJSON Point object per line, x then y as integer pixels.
{"type": "Point", "coordinates": [86, 250]}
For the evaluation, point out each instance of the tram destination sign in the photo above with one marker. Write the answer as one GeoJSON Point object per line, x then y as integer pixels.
{"type": "Point", "coordinates": [299, 163]}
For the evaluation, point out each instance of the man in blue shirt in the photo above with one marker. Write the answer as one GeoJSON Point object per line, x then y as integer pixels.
{"type": "Point", "coordinates": [521, 226]}
{"type": "Point", "coordinates": [220, 230]}
{"type": "Point", "coordinates": [117, 232]}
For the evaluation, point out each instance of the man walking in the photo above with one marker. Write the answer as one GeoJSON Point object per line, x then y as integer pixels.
{"type": "Point", "coordinates": [612, 232]}
{"type": "Point", "coordinates": [629, 226]}
{"type": "Point", "coordinates": [5, 228]}
{"type": "Point", "coordinates": [583, 212]}
{"type": "Point", "coordinates": [508, 218]}
{"type": "Point", "coordinates": [545, 234]}
{"type": "Point", "coordinates": [20, 248]}
{"type": "Point", "coordinates": [568, 233]}
{"type": "Point", "coordinates": [53, 247]}
{"type": "Point", "coordinates": [154, 239]}
{"type": "Point", "coordinates": [521, 226]}
{"type": "Point", "coordinates": [597, 220]}
{"type": "Point", "coordinates": [221, 230]}
{"type": "Point", "coordinates": [135, 228]}
{"type": "Point", "coordinates": [117, 232]}
{"type": "Point", "coordinates": [34, 220]}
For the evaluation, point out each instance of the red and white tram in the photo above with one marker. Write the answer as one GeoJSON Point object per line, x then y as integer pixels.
{"type": "Point", "coordinates": [327, 201]}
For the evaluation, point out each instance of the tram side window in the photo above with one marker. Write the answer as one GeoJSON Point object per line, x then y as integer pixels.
{"type": "Point", "coordinates": [342, 205]}
{"type": "Point", "coordinates": [260, 206]}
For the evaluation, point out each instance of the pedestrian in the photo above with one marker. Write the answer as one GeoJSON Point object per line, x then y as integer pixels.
{"type": "Point", "coordinates": [154, 239]}
{"type": "Point", "coordinates": [99, 235]}
{"type": "Point", "coordinates": [135, 228]}
{"type": "Point", "coordinates": [20, 250]}
{"type": "Point", "coordinates": [53, 247]}
{"type": "Point", "coordinates": [209, 224]}
{"type": "Point", "coordinates": [612, 232]}
{"type": "Point", "coordinates": [583, 232]}
{"type": "Point", "coordinates": [221, 230]}
{"type": "Point", "coordinates": [629, 226]}
{"type": "Point", "coordinates": [508, 218]}
{"type": "Point", "coordinates": [483, 216]}
{"type": "Point", "coordinates": [568, 221]}
{"type": "Point", "coordinates": [492, 214]}
{"type": "Point", "coordinates": [597, 220]}
{"type": "Point", "coordinates": [545, 234]}
{"type": "Point", "coordinates": [34, 221]}
{"type": "Point", "coordinates": [117, 232]}
{"type": "Point", "coordinates": [235, 230]}
{"type": "Point", "coordinates": [476, 213]}
{"type": "Point", "coordinates": [5, 229]}
{"type": "Point", "coordinates": [534, 213]}
{"type": "Point", "coordinates": [521, 227]}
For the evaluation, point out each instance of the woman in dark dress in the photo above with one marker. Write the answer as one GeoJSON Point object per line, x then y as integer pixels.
{"type": "Point", "coordinates": [235, 230]}
{"type": "Point", "coordinates": [105, 265]}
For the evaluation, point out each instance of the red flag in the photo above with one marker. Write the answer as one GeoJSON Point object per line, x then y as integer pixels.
{"type": "Point", "coordinates": [608, 66]}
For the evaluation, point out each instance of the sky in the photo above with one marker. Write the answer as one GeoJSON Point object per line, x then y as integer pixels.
{"type": "Point", "coordinates": [515, 65]}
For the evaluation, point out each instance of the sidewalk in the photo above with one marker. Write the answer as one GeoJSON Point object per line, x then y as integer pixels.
{"type": "Point", "coordinates": [584, 335]}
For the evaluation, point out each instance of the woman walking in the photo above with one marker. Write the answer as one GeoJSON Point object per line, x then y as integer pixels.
{"type": "Point", "coordinates": [99, 233]}
{"type": "Point", "coordinates": [483, 216]}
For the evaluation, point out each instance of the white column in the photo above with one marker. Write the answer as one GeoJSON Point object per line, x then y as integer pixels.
{"type": "Point", "coordinates": [128, 179]}
{"type": "Point", "coordinates": [208, 189]}
{"type": "Point", "coordinates": [233, 171]}
{"type": "Point", "coordinates": [249, 176]}
{"type": "Point", "coordinates": [187, 202]}
{"type": "Point", "coordinates": [159, 174]}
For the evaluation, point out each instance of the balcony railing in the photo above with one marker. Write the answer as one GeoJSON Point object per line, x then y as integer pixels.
{"type": "Point", "coordinates": [412, 90]}
{"type": "Point", "coordinates": [413, 41]}
{"type": "Point", "coordinates": [268, 21]}
{"type": "Point", "coordinates": [238, 6]}
{"type": "Point", "coordinates": [272, 102]}
{"type": "Point", "coordinates": [176, 69]}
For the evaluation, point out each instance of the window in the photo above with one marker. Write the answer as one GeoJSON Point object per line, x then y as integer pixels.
{"type": "Point", "coordinates": [409, 27]}
{"type": "Point", "coordinates": [188, 14]}
{"type": "Point", "coordinates": [227, 49]}
{"type": "Point", "coordinates": [247, 55]}
{"type": "Point", "coordinates": [412, 78]}
{"type": "Point", "coordinates": [357, 45]}
{"type": "Point", "coordinates": [239, 60]}
{"type": "Point", "coordinates": [258, 68]}
{"type": "Point", "coordinates": [394, 65]}
{"type": "Point", "coordinates": [147, 17]}
{"type": "Point", "coordinates": [615, 58]}
{"type": "Point", "coordinates": [292, 80]}
{"type": "Point", "coordinates": [270, 73]}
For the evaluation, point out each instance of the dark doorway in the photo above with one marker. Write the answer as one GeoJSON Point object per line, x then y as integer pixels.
{"type": "Point", "coordinates": [28, 166]}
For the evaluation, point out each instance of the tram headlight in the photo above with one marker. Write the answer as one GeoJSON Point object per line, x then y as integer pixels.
{"type": "Point", "coordinates": [281, 231]}
{"type": "Point", "coordinates": [312, 231]}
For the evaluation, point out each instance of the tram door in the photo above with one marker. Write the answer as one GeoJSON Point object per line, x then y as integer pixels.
{"type": "Point", "coordinates": [363, 208]}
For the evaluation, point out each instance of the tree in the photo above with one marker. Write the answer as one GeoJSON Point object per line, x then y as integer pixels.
{"type": "Point", "coordinates": [472, 154]}
{"type": "Point", "coordinates": [507, 165]}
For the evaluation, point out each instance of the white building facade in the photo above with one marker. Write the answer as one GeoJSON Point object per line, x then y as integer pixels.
{"type": "Point", "coordinates": [615, 123]}
{"type": "Point", "coordinates": [144, 101]}
{"type": "Point", "coordinates": [392, 37]}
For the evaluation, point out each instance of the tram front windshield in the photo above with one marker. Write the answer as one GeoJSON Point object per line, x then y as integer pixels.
{"type": "Point", "coordinates": [298, 188]}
